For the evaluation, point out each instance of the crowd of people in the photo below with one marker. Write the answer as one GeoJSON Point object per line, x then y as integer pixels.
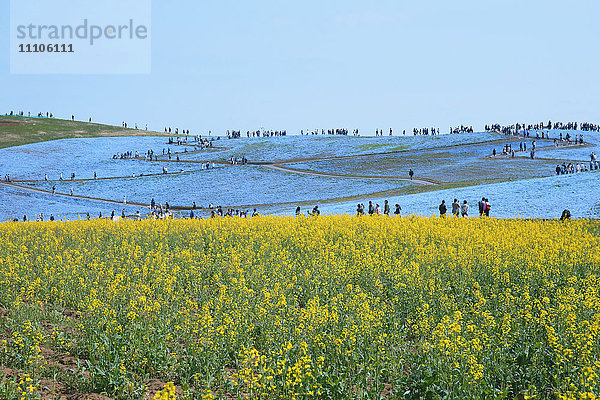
{"type": "Point", "coordinates": [176, 131]}
{"type": "Point", "coordinates": [507, 149]}
{"type": "Point", "coordinates": [125, 155]}
{"type": "Point", "coordinates": [375, 209]}
{"type": "Point", "coordinates": [424, 131]}
{"type": "Point", "coordinates": [458, 209]}
{"type": "Point", "coordinates": [238, 160]}
{"type": "Point", "coordinates": [461, 129]}
{"type": "Point", "coordinates": [572, 168]}
{"type": "Point", "coordinates": [570, 140]}
{"type": "Point", "coordinates": [266, 133]}
{"type": "Point", "coordinates": [230, 212]}
{"type": "Point", "coordinates": [198, 141]}
{"type": "Point", "coordinates": [233, 134]}
{"type": "Point", "coordinates": [22, 114]}
{"type": "Point", "coordinates": [462, 210]}
{"type": "Point", "coordinates": [339, 131]}
{"type": "Point", "coordinates": [523, 128]}
{"type": "Point", "coordinates": [589, 127]}
{"type": "Point", "coordinates": [149, 155]}
{"type": "Point", "coordinates": [258, 133]}
{"type": "Point", "coordinates": [567, 140]}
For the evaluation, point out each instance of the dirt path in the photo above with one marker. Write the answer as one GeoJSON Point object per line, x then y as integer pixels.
{"type": "Point", "coordinates": [502, 140]}
{"type": "Point", "coordinates": [120, 203]}
{"type": "Point", "coordinates": [542, 148]}
{"type": "Point", "coordinates": [279, 167]}
{"type": "Point", "coordinates": [108, 178]}
{"type": "Point", "coordinates": [65, 195]}
{"type": "Point", "coordinates": [96, 199]}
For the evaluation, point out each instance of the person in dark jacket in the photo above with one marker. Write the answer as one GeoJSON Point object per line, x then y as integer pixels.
{"type": "Point", "coordinates": [443, 209]}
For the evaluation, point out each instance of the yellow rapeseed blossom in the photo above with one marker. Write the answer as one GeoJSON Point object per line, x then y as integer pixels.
{"type": "Point", "coordinates": [167, 393]}
{"type": "Point", "coordinates": [310, 308]}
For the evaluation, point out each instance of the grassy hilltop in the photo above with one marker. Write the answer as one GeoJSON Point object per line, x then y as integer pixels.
{"type": "Point", "coordinates": [17, 131]}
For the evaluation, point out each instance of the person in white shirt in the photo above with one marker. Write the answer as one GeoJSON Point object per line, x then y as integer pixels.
{"type": "Point", "coordinates": [464, 209]}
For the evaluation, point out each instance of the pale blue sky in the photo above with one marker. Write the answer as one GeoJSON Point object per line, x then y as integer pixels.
{"type": "Point", "coordinates": [329, 64]}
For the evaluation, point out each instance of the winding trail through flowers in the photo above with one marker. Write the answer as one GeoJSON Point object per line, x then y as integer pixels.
{"type": "Point", "coordinates": [279, 165]}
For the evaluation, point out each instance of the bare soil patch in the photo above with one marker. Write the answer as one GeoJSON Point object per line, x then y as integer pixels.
{"type": "Point", "coordinates": [9, 123]}
{"type": "Point", "coordinates": [64, 362]}
{"type": "Point", "coordinates": [90, 396]}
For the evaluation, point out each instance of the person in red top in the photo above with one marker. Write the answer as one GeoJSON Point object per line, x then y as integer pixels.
{"type": "Point", "coordinates": [487, 207]}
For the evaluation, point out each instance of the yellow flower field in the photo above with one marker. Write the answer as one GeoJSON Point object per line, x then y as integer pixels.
{"type": "Point", "coordinates": [309, 308]}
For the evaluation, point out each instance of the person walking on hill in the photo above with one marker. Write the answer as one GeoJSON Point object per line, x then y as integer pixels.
{"type": "Point", "coordinates": [464, 210]}
{"type": "Point", "coordinates": [481, 205]}
{"type": "Point", "coordinates": [442, 207]}
{"type": "Point", "coordinates": [411, 173]}
{"type": "Point", "coordinates": [455, 208]}
{"type": "Point", "coordinates": [397, 210]}
{"type": "Point", "coordinates": [360, 209]}
{"type": "Point", "coordinates": [386, 208]}
{"type": "Point", "coordinates": [487, 207]}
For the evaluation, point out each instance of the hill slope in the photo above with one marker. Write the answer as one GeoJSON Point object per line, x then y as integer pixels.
{"type": "Point", "coordinates": [16, 131]}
